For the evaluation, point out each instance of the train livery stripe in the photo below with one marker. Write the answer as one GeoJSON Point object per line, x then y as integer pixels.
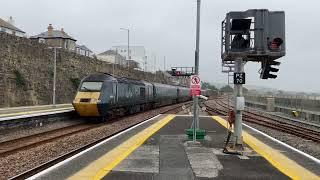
{"type": "Point", "coordinates": [277, 159]}
{"type": "Point", "coordinates": [102, 166]}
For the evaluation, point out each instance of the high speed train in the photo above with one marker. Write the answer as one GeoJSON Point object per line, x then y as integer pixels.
{"type": "Point", "coordinates": [103, 95]}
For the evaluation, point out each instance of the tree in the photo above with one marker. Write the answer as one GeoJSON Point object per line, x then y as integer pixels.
{"type": "Point", "coordinates": [206, 85]}
{"type": "Point", "coordinates": [226, 88]}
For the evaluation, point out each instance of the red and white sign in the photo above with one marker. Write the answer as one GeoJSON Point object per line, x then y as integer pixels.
{"type": "Point", "coordinates": [195, 85]}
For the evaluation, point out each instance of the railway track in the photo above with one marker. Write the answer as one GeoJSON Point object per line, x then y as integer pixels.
{"type": "Point", "coordinates": [221, 108]}
{"type": "Point", "coordinates": [23, 143]}
{"type": "Point", "coordinates": [163, 110]}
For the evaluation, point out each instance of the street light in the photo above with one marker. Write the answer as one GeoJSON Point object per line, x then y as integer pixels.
{"type": "Point", "coordinates": [126, 29]}
{"type": "Point", "coordinates": [54, 74]}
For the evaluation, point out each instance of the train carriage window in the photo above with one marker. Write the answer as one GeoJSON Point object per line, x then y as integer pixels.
{"type": "Point", "coordinates": [142, 92]}
{"type": "Point", "coordinates": [114, 89]}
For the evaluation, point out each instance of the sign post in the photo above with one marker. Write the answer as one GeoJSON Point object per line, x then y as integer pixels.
{"type": "Point", "coordinates": [195, 86]}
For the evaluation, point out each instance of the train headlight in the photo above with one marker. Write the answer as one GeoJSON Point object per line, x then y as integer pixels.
{"type": "Point", "coordinates": [75, 101]}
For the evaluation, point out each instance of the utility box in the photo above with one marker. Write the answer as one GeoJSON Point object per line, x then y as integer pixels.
{"type": "Point", "coordinates": [255, 35]}
{"type": "Point", "coordinates": [240, 103]}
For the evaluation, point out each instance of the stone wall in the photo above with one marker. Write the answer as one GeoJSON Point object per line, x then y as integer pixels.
{"type": "Point", "coordinates": [26, 72]}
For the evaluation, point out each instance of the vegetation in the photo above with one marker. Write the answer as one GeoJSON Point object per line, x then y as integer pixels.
{"type": "Point", "coordinates": [20, 81]}
{"type": "Point", "coordinates": [245, 90]}
{"type": "Point", "coordinates": [226, 88]}
{"type": "Point", "coordinates": [75, 82]}
{"type": "Point", "coordinates": [206, 85]}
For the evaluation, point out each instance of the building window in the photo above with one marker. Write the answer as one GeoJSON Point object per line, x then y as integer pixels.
{"type": "Point", "coordinates": [124, 50]}
{"type": "Point", "coordinates": [41, 40]}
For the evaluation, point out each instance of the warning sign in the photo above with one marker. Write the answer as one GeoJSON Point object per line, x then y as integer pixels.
{"type": "Point", "coordinates": [195, 85]}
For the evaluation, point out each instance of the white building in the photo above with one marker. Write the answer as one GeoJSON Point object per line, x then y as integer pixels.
{"type": "Point", "coordinates": [8, 27]}
{"type": "Point", "coordinates": [112, 56]}
{"type": "Point", "coordinates": [137, 53]}
{"type": "Point", "coordinates": [84, 51]}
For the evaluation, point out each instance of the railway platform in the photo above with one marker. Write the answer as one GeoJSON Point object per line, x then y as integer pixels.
{"type": "Point", "coordinates": [159, 149]}
{"type": "Point", "coordinates": [33, 111]}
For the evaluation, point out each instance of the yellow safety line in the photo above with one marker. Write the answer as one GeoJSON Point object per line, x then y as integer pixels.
{"type": "Point", "coordinates": [33, 112]}
{"type": "Point", "coordinates": [102, 166]}
{"type": "Point", "coordinates": [277, 159]}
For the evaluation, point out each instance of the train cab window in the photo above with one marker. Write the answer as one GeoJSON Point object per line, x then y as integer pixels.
{"type": "Point", "coordinates": [91, 86]}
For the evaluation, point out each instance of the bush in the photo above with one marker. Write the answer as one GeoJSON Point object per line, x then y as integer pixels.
{"type": "Point", "coordinates": [75, 82]}
{"type": "Point", "coordinates": [20, 81]}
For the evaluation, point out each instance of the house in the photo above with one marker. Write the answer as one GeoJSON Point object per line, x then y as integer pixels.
{"type": "Point", "coordinates": [8, 27]}
{"type": "Point", "coordinates": [56, 38]}
{"type": "Point", "coordinates": [112, 56]}
{"type": "Point", "coordinates": [133, 64]}
{"type": "Point", "coordinates": [83, 50]}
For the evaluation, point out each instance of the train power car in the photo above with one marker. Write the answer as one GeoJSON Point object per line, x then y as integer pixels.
{"type": "Point", "coordinates": [102, 95]}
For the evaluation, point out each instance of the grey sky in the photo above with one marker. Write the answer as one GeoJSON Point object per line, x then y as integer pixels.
{"type": "Point", "coordinates": [167, 27]}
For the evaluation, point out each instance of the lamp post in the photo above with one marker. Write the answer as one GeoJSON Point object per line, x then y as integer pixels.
{"type": "Point", "coordinates": [195, 98]}
{"type": "Point", "coordinates": [54, 74]}
{"type": "Point", "coordinates": [127, 29]}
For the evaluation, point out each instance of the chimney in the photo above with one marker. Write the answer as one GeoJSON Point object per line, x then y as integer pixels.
{"type": "Point", "coordinates": [50, 30]}
{"type": "Point", "coordinates": [10, 20]}
{"type": "Point", "coordinates": [62, 31]}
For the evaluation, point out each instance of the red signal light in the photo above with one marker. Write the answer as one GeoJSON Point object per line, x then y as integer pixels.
{"type": "Point", "coordinates": [276, 43]}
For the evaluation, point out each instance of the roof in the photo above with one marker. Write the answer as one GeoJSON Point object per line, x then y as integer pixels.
{"type": "Point", "coordinates": [83, 47]}
{"type": "Point", "coordinates": [109, 52]}
{"type": "Point", "coordinates": [55, 34]}
{"type": "Point", "coordinates": [5, 24]}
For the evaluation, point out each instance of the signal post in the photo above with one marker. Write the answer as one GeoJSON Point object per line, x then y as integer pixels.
{"type": "Point", "coordinates": [256, 35]}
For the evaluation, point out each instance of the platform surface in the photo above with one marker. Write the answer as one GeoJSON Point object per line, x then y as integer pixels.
{"type": "Point", "coordinates": [29, 111]}
{"type": "Point", "coordinates": [159, 149]}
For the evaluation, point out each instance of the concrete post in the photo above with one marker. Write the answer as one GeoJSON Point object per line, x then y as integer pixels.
{"type": "Point", "coordinates": [238, 93]}
{"type": "Point", "coordinates": [270, 104]}
{"type": "Point", "coordinates": [54, 77]}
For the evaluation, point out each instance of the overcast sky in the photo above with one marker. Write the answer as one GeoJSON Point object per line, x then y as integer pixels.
{"type": "Point", "coordinates": [167, 28]}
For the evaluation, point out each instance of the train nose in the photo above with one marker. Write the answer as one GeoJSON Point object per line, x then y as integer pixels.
{"type": "Point", "coordinates": [86, 103]}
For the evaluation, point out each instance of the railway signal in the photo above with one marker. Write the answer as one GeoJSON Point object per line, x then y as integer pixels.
{"type": "Point", "coordinates": [267, 68]}
{"type": "Point", "coordinates": [181, 71]}
{"type": "Point", "coordinates": [256, 35]}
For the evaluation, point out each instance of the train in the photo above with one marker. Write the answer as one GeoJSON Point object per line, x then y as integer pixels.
{"type": "Point", "coordinates": [102, 95]}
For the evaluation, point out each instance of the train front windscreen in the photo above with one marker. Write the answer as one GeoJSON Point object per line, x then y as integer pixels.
{"type": "Point", "coordinates": [91, 86]}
